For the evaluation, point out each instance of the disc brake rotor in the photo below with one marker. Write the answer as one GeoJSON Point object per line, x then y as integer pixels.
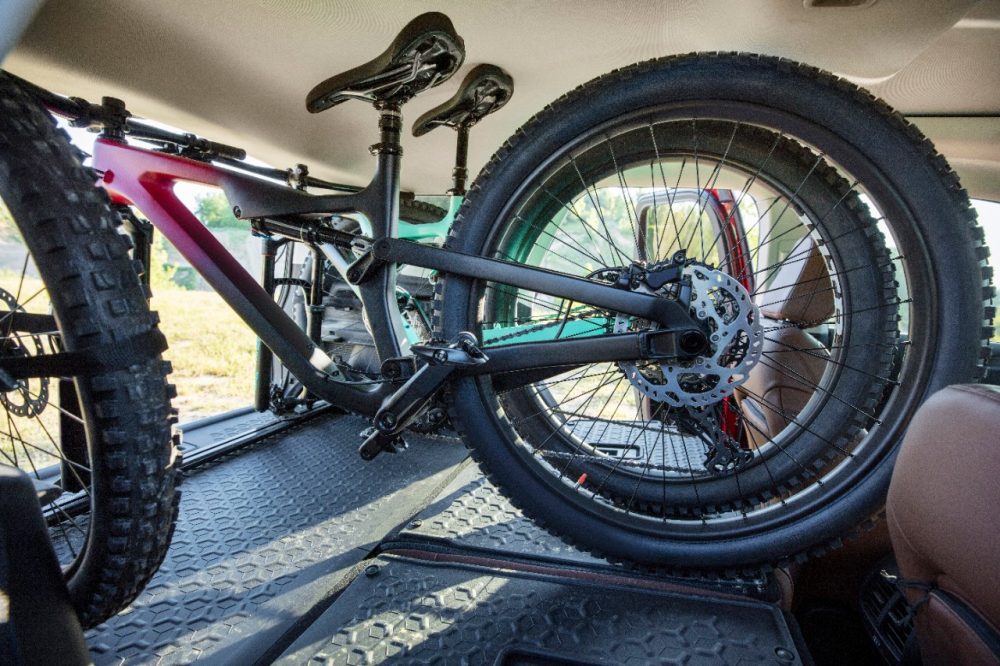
{"type": "Point", "coordinates": [29, 397]}
{"type": "Point", "coordinates": [735, 338]}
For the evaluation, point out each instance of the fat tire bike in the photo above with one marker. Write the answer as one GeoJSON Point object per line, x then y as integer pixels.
{"type": "Point", "coordinates": [682, 318]}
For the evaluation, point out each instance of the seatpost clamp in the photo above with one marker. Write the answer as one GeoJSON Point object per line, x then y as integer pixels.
{"type": "Point", "coordinates": [390, 125]}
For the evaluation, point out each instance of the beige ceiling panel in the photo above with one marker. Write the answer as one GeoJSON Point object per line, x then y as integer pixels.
{"type": "Point", "coordinates": [238, 70]}
{"type": "Point", "coordinates": [972, 146]}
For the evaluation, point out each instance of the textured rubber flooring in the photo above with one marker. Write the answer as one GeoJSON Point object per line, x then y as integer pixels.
{"type": "Point", "coordinates": [275, 533]}
{"type": "Point", "coordinates": [196, 436]}
{"type": "Point", "coordinates": [471, 581]}
{"type": "Point", "coordinates": [417, 612]}
{"type": "Point", "coordinates": [471, 515]}
{"type": "Point", "coordinates": [643, 441]}
{"type": "Point", "coordinates": [264, 535]}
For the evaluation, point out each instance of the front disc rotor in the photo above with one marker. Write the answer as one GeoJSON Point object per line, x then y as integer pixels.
{"type": "Point", "coordinates": [27, 398]}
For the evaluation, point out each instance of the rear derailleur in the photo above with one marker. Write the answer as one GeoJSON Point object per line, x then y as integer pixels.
{"type": "Point", "coordinates": [723, 453]}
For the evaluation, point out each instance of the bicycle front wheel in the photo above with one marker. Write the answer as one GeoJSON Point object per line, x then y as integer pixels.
{"type": "Point", "coordinates": [97, 444]}
{"type": "Point", "coordinates": [829, 253]}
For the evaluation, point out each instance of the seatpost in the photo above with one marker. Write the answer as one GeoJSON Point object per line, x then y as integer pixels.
{"type": "Point", "coordinates": [390, 125]}
{"type": "Point", "coordinates": [379, 294]}
{"type": "Point", "coordinates": [389, 151]}
{"type": "Point", "coordinates": [461, 172]}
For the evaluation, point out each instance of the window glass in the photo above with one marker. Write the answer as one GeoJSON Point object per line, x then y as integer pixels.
{"type": "Point", "coordinates": [989, 219]}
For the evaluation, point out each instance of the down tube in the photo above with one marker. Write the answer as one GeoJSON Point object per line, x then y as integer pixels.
{"type": "Point", "coordinates": [149, 186]}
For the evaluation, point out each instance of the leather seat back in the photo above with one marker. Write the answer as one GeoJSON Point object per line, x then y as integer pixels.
{"type": "Point", "coordinates": [801, 292]}
{"type": "Point", "coordinates": [944, 519]}
{"type": "Point", "coordinates": [801, 295]}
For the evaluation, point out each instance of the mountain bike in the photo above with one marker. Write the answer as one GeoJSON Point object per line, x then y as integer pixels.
{"type": "Point", "coordinates": [681, 318]}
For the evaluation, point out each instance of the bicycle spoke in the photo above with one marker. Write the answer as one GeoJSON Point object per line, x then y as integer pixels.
{"type": "Point", "coordinates": [574, 246]}
{"type": "Point", "coordinates": [842, 315]}
{"type": "Point", "coordinates": [790, 419]}
{"type": "Point", "coordinates": [618, 462]}
{"type": "Point", "coordinates": [791, 349]}
{"type": "Point", "coordinates": [745, 191]}
{"type": "Point", "coordinates": [808, 252]}
{"type": "Point", "coordinates": [670, 199]}
{"type": "Point", "coordinates": [629, 206]}
{"type": "Point", "coordinates": [742, 422]}
{"type": "Point", "coordinates": [21, 304]}
{"type": "Point", "coordinates": [34, 469]}
{"type": "Point", "coordinates": [71, 465]}
{"type": "Point", "coordinates": [595, 201]}
{"type": "Point", "coordinates": [776, 365]}
{"type": "Point", "coordinates": [522, 418]}
{"type": "Point", "coordinates": [642, 477]}
{"type": "Point", "coordinates": [712, 181]}
{"type": "Point", "coordinates": [585, 439]}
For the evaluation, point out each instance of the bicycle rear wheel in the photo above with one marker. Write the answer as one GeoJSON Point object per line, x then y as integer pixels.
{"type": "Point", "coordinates": [831, 254]}
{"type": "Point", "coordinates": [97, 444]}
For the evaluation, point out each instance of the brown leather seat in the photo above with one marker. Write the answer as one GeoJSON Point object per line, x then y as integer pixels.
{"type": "Point", "coordinates": [944, 519]}
{"type": "Point", "coordinates": [800, 296]}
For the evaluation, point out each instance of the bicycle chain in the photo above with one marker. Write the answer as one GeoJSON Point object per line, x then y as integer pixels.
{"type": "Point", "coordinates": [539, 327]}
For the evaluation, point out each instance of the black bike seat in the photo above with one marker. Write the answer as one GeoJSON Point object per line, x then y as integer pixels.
{"type": "Point", "coordinates": [485, 89]}
{"type": "Point", "coordinates": [424, 54]}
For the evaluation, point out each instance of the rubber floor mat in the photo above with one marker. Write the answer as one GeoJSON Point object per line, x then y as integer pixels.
{"type": "Point", "coordinates": [264, 535]}
{"type": "Point", "coordinates": [408, 611]}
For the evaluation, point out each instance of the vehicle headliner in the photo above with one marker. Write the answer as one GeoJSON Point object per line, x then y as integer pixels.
{"type": "Point", "coordinates": [238, 70]}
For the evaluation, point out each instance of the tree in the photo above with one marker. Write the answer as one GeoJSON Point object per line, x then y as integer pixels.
{"type": "Point", "coordinates": [214, 211]}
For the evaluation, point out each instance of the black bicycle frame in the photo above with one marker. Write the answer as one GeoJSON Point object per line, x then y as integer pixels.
{"type": "Point", "coordinates": [288, 212]}
{"type": "Point", "coordinates": [145, 178]}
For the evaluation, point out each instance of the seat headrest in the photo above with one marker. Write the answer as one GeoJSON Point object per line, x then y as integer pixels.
{"type": "Point", "coordinates": [802, 292]}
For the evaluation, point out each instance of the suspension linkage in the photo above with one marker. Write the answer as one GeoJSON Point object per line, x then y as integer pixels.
{"type": "Point", "coordinates": [405, 405]}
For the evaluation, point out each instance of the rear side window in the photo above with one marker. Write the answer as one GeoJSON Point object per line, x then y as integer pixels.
{"type": "Point", "coordinates": [989, 219]}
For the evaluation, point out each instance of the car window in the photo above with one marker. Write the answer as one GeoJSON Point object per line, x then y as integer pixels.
{"type": "Point", "coordinates": [989, 218]}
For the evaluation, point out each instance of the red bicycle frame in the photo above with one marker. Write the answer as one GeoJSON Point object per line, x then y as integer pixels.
{"type": "Point", "coordinates": [146, 179]}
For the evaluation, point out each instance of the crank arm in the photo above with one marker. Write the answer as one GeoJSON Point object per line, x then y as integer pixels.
{"type": "Point", "coordinates": [401, 408]}
{"type": "Point", "coordinates": [405, 404]}
{"type": "Point", "coordinates": [665, 312]}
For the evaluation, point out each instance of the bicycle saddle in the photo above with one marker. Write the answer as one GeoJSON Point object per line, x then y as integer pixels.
{"type": "Point", "coordinates": [485, 89]}
{"type": "Point", "coordinates": [424, 54]}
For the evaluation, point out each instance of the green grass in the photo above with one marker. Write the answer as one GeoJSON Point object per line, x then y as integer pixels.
{"type": "Point", "coordinates": [211, 349]}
